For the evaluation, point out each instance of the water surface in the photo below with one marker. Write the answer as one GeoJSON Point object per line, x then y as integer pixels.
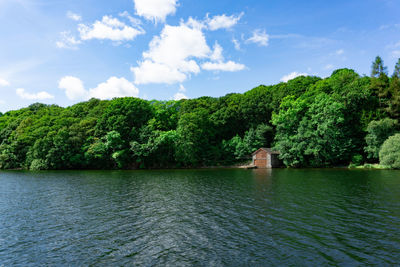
{"type": "Point", "coordinates": [200, 218]}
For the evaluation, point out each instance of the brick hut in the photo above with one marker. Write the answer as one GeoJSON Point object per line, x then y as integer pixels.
{"type": "Point", "coordinates": [265, 158]}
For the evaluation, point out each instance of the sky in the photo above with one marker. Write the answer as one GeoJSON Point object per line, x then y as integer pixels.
{"type": "Point", "coordinates": [67, 51]}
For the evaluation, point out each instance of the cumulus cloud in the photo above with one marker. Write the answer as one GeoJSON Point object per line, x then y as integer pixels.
{"type": "Point", "coordinates": [4, 82]}
{"type": "Point", "coordinates": [73, 87]}
{"type": "Point", "coordinates": [223, 66]}
{"type": "Point", "coordinates": [170, 55]}
{"type": "Point", "coordinates": [222, 21]}
{"type": "Point", "coordinates": [113, 87]}
{"type": "Point", "coordinates": [218, 64]}
{"type": "Point", "coordinates": [109, 28]}
{"type": "Point", "coordinates": [151, 72]}
{"type": "Point", "coordinates": [73, 16]}
{"type": "Point", "coordinates": [155, 10]}
{"type": "Point", "coordinates": [291, 76]}
{"type": "Point", "coordinates": [38, 96]}
{"type": "Point", "coordinates": [175, 54]}
{"type": "Point", "coordinates": [179, 96]}
{"type": "Point", "coordinates": [217, 53]}
{"type": "Point", "coordinates": [176, 45]}
{"type": "Point", "coordinates": [259, 37]}
{"type": "Point", "coordinates": [68, 41]}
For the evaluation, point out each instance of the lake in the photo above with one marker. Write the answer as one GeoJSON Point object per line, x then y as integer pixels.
{"type": "Point", "coordinates": [210, 217]}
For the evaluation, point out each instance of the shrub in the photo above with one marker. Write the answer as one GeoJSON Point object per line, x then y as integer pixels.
{"type": "Point", "coordinates": [357, 159]}
{"type": "Point", "coordinates": [390, 152]}
{"type": "Point", "coordinates": [378, 132]}
{"type": "Point", "coordinates": [38, 164]}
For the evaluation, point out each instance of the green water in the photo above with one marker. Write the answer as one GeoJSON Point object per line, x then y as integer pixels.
{"type": "Point", "coordinates": [200, 218]}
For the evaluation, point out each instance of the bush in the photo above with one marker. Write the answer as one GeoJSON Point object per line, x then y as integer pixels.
{"type": "Point", "coordinates": [390, 152]}
{"type": "Point", "coordinates": [378, 132]}
{"type": "Point", "coordinates": [38, 164]}
{"type": "Point", "coordinates": [357, 159]}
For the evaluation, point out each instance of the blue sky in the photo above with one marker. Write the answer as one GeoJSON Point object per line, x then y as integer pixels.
{"type": "Point", "coordinates": [64, 52]}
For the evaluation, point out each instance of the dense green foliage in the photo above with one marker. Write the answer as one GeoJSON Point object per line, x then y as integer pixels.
{"type": "Point", "coordinates": [314, 132]}
{"type": "Point", "coordinates": [389, 154]}
{"type": "Point", "coordinates": [378, 132]}
{"type": "Point", "coordinates": [311, 121]}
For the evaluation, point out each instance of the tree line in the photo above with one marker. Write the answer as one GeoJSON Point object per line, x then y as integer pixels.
{"type": "Point", "coordinates": [313, 122]}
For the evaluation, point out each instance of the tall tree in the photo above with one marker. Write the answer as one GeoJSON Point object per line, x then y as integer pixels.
{"type": "Point", "coordinates": [378, 68]}
{"type": "Point", "coordinates": [380, 82]}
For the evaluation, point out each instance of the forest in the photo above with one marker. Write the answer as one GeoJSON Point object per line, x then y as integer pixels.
{"type": "Point", "coordinates": [336, 121]}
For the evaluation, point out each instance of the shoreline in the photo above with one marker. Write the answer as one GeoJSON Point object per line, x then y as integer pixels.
{"type": "Point", "coordinates": [358, 168]}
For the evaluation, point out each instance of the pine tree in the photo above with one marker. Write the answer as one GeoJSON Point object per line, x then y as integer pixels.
{"type": "Point", "coordinates": [380, 82]}
{"type": "Point", "coordinates": [378, 68]}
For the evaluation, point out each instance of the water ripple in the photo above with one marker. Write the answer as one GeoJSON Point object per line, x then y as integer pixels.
{"type": "Point", "coordinates": [200, 218]}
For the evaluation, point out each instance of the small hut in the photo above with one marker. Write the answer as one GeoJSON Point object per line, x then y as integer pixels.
{"type": "Point", "coordinates": [265, 158]}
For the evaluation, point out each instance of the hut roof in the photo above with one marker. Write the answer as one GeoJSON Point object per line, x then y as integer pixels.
{"type": "Point", "coordinates": [268, 150]}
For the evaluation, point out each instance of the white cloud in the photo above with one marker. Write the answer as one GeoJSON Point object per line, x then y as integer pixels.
{"type": "Point", "coordinates": [170, 55]}
{"type": "Point", "coordinates": [176, 45]}
{"type": "Point", "coordinates": [156, 10]}
{"type": "Point", "coordinates": [73, 87]}
{"type": "Point", "coordinates": [38, 96]}
{"type": "Point", "coordinates": [223, 21]}
{"type": "Point", "coordinates": [292, 75]}
{"type": "Point", "coordinates": [173, 55]}
{"type": "Point", "coordinates": [109, 28]}
{"type": "Point", "coordinates": [73, 16]}
{"type": "Point", "coordinates": [217, 53]}
{"type": "Point", "coordinates": [182, 88]}
{"type": "Point", "coordinates": [4, 82]}
{"type": "Point", "coordinates": [113, 87]}
{"type": "Point", "coordinates": [218, 64]}
{"type": "Point", "coordinates": [134, 21]}
{"type": "Point", "coordinates": [179, 96]}
{"type": "Point", "coordinates": [259, 37]}
{"type": "Point", "coordinates": [223, 66]}
{"type": "Point", "coordinates": [195, 24]}
{"type": "Point", "coordinates": [151, 72]}
{"type": "Point", "coordinates": [68, 41]}
{"type": "Point", "coordinates": [339, 52]}
{"type": "Point", "coordinates": [236, 44]}
{"type": "Point", "coordinates": [329, 67]}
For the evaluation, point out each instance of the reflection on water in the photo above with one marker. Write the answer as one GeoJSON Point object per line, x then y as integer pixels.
{"type": "Point", "coordinates": [200, 217]}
